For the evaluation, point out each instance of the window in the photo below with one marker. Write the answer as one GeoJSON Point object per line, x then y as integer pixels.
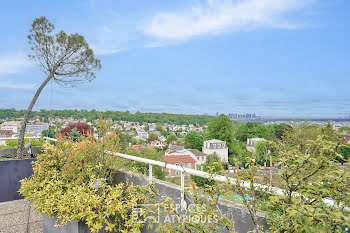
{"type": "Point", "coordinates": [219, 145]}
{"type": "Point", "coordinates": [214, 146]}
{"type": "Point", "coordinates": [198, 158]}
{"type": "Point", "coordinates": [189, 165]}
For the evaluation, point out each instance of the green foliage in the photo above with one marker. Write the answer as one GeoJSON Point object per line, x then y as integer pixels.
{"type": "Point", "coordinates": [67, 57]}
{"type": "Point", "coordinates": [143, 168]}
{"type": "Point", "coordinates": [298, 135]}
{"type": "Point", "coordinates": [152, 137]}
{"type": "Point", "coordinates": [63, 181]}
{"type": "Point", "coordinates": [159, 127]}
{"type": "Point", "coordinates": [344, 150]}
{"type": "Point", "coordinates": [252, 130]}
{"type": "Point", "coordinates": [239, 153]}
{"type": "Point", "coordinates": [202, 215]}
{"type": "Point", "coordinates": [74, 135]}
{"type": "Point", "coordinates": [13, 143]}
{"type": "Point", "coordinates": [311, 171]}
{"type": "Point", "coordinates": [51, 133]}
{"type": "Point", "coordinates": [221, 128]}
{"type": "Point", "coordinates": [341, 129]}
{"type": "Point", "coordinates": [193, 140]}
{"type": "Point", "coordinates": [211, 166]}
{"type": "Point", "coordinates": [265, 150]}
{"type": "Point", "coordinates": [278, 130]}
{"type": "Point", "coordinates": [171, 138]}
{"type": "Point", "coordinates": [92, 115]}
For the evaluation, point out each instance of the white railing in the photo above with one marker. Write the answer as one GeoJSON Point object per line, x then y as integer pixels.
{"type": "Point", "coordinates": [219, 178]}
{"type": "Point", "coordinates": [189, 171]}
{"type": "Point", "coordinates": [16, 138]}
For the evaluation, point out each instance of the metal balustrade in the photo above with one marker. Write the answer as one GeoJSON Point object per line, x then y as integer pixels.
{"type": "Point", "coordinates": [189, 171]}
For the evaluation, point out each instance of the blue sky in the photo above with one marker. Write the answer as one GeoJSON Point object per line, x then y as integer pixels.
{"type": "Point", "coordinates": [287, 58]}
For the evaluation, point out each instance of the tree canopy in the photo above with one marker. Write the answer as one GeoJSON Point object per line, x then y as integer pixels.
{"type": "Point", "coordinates": [92, 115]}
{"type": "Point", "coordinates": [220, 128]}
{"type": "Point", "coordinates": [193, 140]}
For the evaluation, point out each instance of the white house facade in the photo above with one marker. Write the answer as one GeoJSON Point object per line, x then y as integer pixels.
{"type": "Point", "coordinates": [251, 143]}
{"type": "Point", "coordinates": [217, 147]}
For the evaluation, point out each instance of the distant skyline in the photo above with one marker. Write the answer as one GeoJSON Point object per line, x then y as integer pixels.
{"type": "Point", "coordinates": [274, 58]}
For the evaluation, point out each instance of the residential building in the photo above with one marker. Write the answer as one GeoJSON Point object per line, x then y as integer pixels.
{"type": "Point", "coordinates": [251, 143]}
{"type": "Point", "coordinates": [346, 140]}
{"type": "Point", "coordinates": [6, 133]}
{"type": "Point", "coordinates": [14, 126]}
{"type": "Point", "coordinates": [162, 138]}
{"type": "Point", "coordinates": [179, 160]}
{"type": "Point", "coordinates": [37, 129]}
{"type": "Point", "coordinates": [157, 143]}
{"type": "Point", "coordinates": [173, 147]}
{"type": "Point", "coordinates": [217, 147]}
{"type": "Point", "coordinates": [199, 157]}
{"type": "Point", "coordinates": [142, 135]}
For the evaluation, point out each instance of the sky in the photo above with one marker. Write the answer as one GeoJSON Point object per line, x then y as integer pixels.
{"type": "Point", "coordinates": [280, 58]}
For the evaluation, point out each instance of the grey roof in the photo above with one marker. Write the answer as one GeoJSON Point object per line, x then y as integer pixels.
{"type": "Point", "coordinates": [215, 141]}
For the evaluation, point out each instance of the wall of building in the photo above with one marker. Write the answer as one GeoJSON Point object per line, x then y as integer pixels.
{"type": "Point", "coordinates": [222, 153]}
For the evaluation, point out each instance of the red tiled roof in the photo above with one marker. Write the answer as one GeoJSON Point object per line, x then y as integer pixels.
{"type": "Point", "coordinates": [154, 142]}
{"type": "Point", "coordinates": [197, 152]}
{"type": "Point", "coordinates": [172, 159]}
{"type": "Point", "coordinates": [346, 139]}
{"type": "Point", "coordinates": [136, 147]}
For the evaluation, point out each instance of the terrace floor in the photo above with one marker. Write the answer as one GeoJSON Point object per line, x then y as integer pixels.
{"type": "Point", "coordinates": [19, 217]}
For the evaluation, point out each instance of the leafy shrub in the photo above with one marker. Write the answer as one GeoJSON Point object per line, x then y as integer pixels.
{"type": "Point", "coordinates": [63, 181]}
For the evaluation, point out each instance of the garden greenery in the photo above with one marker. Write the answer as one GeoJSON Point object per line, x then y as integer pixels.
{"type": "Point", "coordinates": [63, 180]}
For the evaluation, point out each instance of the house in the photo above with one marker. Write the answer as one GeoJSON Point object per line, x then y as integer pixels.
{"type": "Point", "coordinates": [14, 126]}
{"type": "Point", "coordinates": [180, 160]}
{"type": "Point", "coordinates": [6, 133]}
{"type": "Point", "coordinates": [162, 138]}
{"type": "Point", "coordinates": [199, 157]}
{"type": "Point", "coordinates": [346, 140]}
{"type": "Point", "coordinates": [217, 147]}
{"type": "Point", "coordinates": [251, 143]}
{"type": "Point", "coordinates": [37, 129]}
{"type": "Point", "coordinates": [142, 135]}
{"type": "Point", "coordinates": [137, 147]}
{"type": "Point", "coordinates": [157, 143]}
{"type": "Point", "coordinates": [173, 147]}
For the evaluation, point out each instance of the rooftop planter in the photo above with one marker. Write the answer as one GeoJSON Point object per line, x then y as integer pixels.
{"type": "Point", "coordinates": [73, 182]}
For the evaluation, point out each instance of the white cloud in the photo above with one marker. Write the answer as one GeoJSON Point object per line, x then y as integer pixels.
{"type": "Point", "coordinates": [216, 17]}
{"type": "Point", "coordinates": [16, 86]}
{"type": "Point", "coordinates": [14, 63]}
{"type": "Point", "coordinates": [100, 51]}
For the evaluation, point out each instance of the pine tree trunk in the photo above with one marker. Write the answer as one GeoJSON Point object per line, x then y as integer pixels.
{"type": "Point", "coordinates": [26, 117]}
